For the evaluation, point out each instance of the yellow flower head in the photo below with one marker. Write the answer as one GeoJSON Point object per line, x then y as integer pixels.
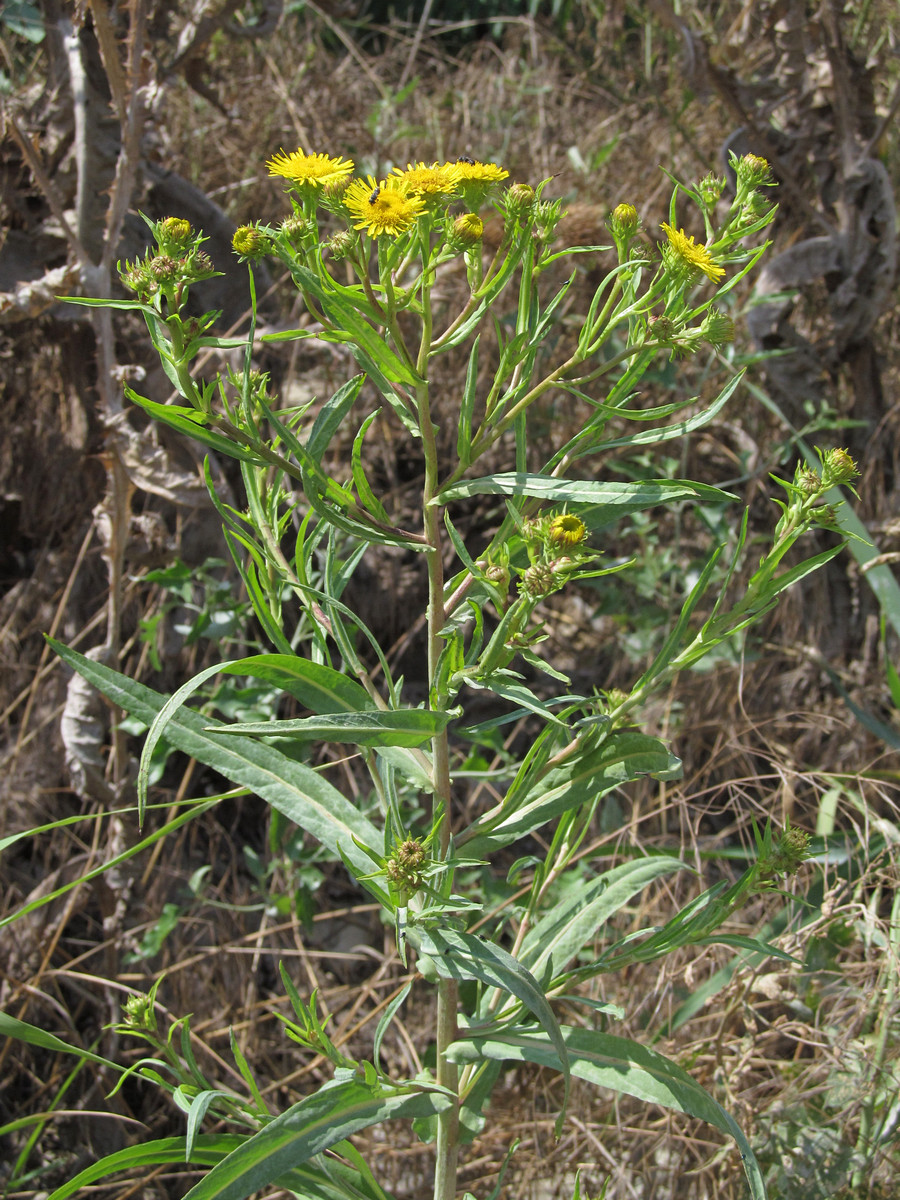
{"type": "Point", "coordinates": [311, 171]}
{"type": "Point", "coordinates": [432, 183]}
{"type": "Point", "coordinates": [566, 530]}
{"type": "Point", "coordinates": [380, 208]}
{"type": "Point", "coordinates": [476, 179]}
{"type": "Point", "coordinates": [692, 255]}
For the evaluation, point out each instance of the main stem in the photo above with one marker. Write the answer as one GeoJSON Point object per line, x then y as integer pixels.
{"type": "Point", "coordinates": [447, 999]}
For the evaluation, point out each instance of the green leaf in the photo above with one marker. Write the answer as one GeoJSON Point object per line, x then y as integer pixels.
{"type": "Point", "coordinates": [193, 424]}
{"type": "Point", "coordinates": [505, 686]}
{"type": "Point", "coordinates": [624, 756]}
{"type": "Point", "coordinates": [678, 429]}
{"type": "Point", "coordinates": [334, 1112]}
{"type": "Point", "coordinates": [331, 416]}
{"type": "Point", "coordinates": [305, 680]}
{"type": "Point", "coordinates": [326, 1180]}
{"type": "Point", "coordinates": [622, 1066]}
{"type": "Point", "coordinates": [463, 956]}
{"type": "Point", "coordinates": [561, 932]}
{"type": "Point", "coordinates": [623, 497]}
{"type": "Point", "coordinates": [297, 792]}
{"type": "Point", "coordinates": [32, 1035]}
{"type": "Point", "coordinates": [403, 727]}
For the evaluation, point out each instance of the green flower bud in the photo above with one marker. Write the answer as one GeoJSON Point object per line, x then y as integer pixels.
{"type": "Point", "coordinates": [405, 866]}
{"type": "Point", "coordinates": [539, 580]}
{"type": "Point", "coordinates": [661, 328]}
{"type": "Point", "coordinates": [808, 480]}
{"type": "Point", "coordinates": [519, 199]}
{"type": "Point", "coordinates": [296, 227]}
{"type": "Point", "coordinates": [340, 244]}
{"type": "Point", "coordinates": [547, 215]}
{"type": "Point", "coordinates": [139, 1012]}
{"type": "Point", "coordinates": [838, 468]}
{"type": "Point", "coordinates": [717, 329]}
{"type": "Point", "coordinates": [498, 575]}
{"type": "Point", "coordinates": [164, 268]}
{"type": "Point", "coordinates": [710, 188]}
{"type": "Point", "coordinates": [752, 171]}
{"type": "Point", "coordinates": [624, 222]}
{"type": "Point", "coordinates": [250, 242]}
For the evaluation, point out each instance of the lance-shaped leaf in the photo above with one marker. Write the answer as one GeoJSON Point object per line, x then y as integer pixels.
{"type": "Point", "coordinates": [399, 727]}
{"type": "Point", "coordinates": [336, 1111]}
{"type": "Point", "coordinates": [323, 1180]}
{"type": "Point", "coordinates": [194, 424]}
{"type": "Point", "coordinates": [293, 789]}
{"type": "Point", "coordinates": [622, 497]}
{"type": "Point", "coordinates": [622, 1066]}
{"type": "Point", "coordinates": [561, 932]}
{"type": "Point", "coordinates": [32, 1035]}
{"type": "Point", "coordinates": [463, 956]}
{"type": "Point", "coordinates": [625, 755]}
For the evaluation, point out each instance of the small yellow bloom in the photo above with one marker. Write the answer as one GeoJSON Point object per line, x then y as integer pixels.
{"type": "Point", "coordinates": [476, 180]}
{"type": "Point", "coordinates": [693, 255]}
{"type": "Point", "coordinates": [309, 170]}
{"type": "Point", "coordinates": [380, 208]}
{"type": "Point", "coordinates": [567, 530]}
{"type": "Point", "coordinates": [432, 183]}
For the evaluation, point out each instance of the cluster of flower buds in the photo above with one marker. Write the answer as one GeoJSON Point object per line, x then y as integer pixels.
{"type": "Point", "coordinates": [175, 263]}
{"type": "Point", "coordinates": [405, 868]}
{"type": "Point", "coordinates": [555, 545]}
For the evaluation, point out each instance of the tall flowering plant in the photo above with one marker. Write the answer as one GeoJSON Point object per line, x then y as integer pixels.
{"type": "Point", "coordinates": [366, 255]}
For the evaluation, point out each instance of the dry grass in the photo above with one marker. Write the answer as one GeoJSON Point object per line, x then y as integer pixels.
{"type": "Point", "coordinates": [765, 738]}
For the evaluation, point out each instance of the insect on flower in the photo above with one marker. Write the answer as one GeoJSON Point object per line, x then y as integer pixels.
{"type": "Point", "coordinates": [464, 158]}
{"type": "Point", "coordinates": [375, 195]}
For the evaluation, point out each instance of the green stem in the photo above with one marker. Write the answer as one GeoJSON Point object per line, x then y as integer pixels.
{"type": "Point", "coordinates": [447, 998]}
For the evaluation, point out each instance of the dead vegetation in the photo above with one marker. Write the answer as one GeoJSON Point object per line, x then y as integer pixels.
{"type": "Point", "coordinates": [91, 500]}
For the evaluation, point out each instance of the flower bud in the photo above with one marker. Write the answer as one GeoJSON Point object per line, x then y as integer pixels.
{"type": "Point", "coordinates": [498, 575]}
{"type": "Point", "coordinates": [838, 468]}
{"type": "Point", "coordinates": [717, 329]}
{"type": "Point", "coordinates": [539, 580]}
{"type": "Point", "coordinates": [710, 188]}
{"type": "Point", "coordinates": [519, 199]}
{"type": "Point", "coordinates": [139, 1012]}
{"type": "Point", "coordinates": [173, 234]}
{"type": "Point", "coordinates": [752, 171]}
{"type": "Point", "coordinates": [624, 222]}
{"type": "Point", "coordinates": [661, 328]}
{"type": "Point", "coordinates": [468, 230]}
{"type": "Point", "coordinates": [808, 480]}
{"type": "Point", "coordinates": [164, 268]}
{"type": "Point", "coordinates": [340, 244]}
{"type": "Point", "coordinates": [250, 242]}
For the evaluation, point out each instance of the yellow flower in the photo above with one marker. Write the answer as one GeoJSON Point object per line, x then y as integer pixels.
{"type": "Point", "coordinates": [432, 183]}
{"type": "Point", "coordinates": [476, 179]}
{"type": "Point", "coordinates": [380, 208]}
{"type": "Point", "coordinates": [693, 255]}
{"type": "Point", "coordinates": [312, 171]}
{"type": "Point", "coordinates": [567, 530]}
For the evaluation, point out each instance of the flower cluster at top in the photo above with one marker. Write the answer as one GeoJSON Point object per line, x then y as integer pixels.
{"type": "Point", "coordinates": [389, 206]}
